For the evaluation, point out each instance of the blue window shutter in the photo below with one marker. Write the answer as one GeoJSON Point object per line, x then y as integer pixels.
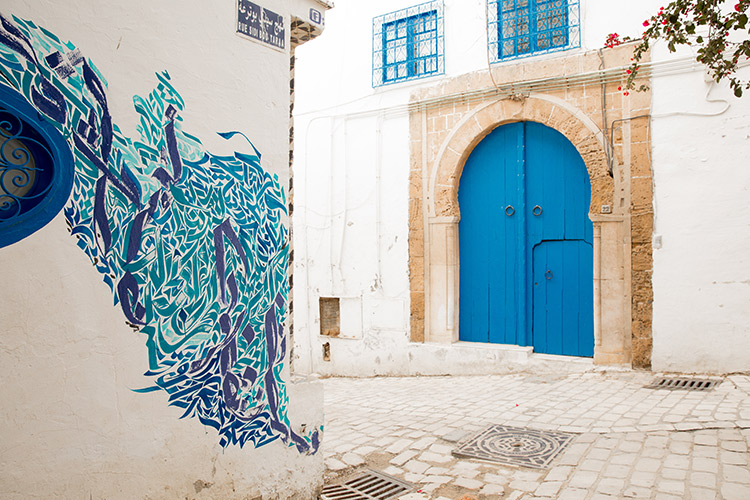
{"type": "Point", "coordinates": [521, 28]}
{"type": "Point", "coordinates": [408, 44]}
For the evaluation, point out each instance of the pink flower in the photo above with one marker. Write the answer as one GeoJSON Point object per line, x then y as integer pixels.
{"type": "Point", "coordinates": [645, 23]}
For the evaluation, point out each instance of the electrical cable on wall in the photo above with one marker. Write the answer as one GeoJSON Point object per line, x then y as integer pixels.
{"type": "Point", "coordinates": [672, 113]}
{"type": "Point", "coordinates": [540, 85]}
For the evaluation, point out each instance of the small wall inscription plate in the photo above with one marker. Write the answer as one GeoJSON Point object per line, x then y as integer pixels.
{"type": "Point", "coordinates": [260, 24]}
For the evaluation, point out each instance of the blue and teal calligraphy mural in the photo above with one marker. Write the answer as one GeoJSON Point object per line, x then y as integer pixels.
{"type": "Point", "coordinates": [192, 245]}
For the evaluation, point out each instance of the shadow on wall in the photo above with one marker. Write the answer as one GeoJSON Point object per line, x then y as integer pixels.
{"type": "Point", "coordinates": [192, 245]}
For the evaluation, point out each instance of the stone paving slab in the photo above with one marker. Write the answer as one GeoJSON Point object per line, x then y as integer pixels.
{"type": "Point", "coordinates": [631, 442]}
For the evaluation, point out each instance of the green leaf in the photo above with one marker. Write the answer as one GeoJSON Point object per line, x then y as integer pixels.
{"type": "Point", "coordinates": [738, 91]}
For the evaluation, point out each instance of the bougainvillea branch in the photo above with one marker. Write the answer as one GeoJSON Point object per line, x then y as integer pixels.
{"type": "Point", "coordinates": [717, 28]}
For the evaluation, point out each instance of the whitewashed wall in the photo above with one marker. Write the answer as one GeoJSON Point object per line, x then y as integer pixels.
{"type": "Point", "coordinates": [352, 162]}
{"type": "Point", "coordinates": [70, 424]}
{"type": "Point", "coordinates": [701, 151]}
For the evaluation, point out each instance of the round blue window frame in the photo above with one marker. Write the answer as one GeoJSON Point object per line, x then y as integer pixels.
{"type": "Point", "coordinates": [63, 170]}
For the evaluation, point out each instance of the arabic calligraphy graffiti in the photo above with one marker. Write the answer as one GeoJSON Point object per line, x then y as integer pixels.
{"type": "Point", "coordinates": [192, 245]}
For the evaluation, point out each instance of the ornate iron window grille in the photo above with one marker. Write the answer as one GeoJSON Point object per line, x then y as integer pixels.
{"type": "Point", "coordinates": [408, 44]}
{"type": "Point", "coordinates": [22, 183]}
{"type": "Point", "coordinates": [36, 169]}
{"type": "Point", "coordinates": [521, 28]}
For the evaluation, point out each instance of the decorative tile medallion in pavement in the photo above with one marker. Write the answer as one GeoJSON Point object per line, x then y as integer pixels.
{"type": "Point", "coordinates": [515, 446]}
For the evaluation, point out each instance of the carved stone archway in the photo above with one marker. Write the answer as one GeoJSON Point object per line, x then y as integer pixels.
{"type": "Point", "coordinates": [608, 212]}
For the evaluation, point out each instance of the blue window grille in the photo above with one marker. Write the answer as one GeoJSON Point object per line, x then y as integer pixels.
{"type": "Point", "coordinates": [520, 28]}
{"type": "Point", "coordinates": [36, 169]}
{"type": "Point", "coordinates": [408, 44]}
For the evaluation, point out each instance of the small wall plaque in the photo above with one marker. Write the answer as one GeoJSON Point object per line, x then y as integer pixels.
{"type": "Point", "coordinates": [316, 16]}
{"type": "Point", "coordinates": [260, 24]}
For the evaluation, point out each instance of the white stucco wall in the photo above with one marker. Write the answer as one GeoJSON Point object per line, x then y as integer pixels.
{"type": "Point", "coordinates": [351, 199]}
{"type": "Point", "coordinates": [70, 424]}
{"type": "Point", "coordinates": [701, 146]}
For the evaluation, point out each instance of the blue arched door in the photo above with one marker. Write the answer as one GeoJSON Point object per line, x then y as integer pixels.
{"type": "Point", "coordinates": [525, 242]}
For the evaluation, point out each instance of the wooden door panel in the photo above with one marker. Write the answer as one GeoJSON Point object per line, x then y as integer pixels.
{"type": "Point", "coordinates": [563, 298]}
{"type": "Point", "coordinates": [489, 237]}
{"type": "Point", "coordinates": [524, 196]}
{"type": "Point", "coordinates": [545, 183]}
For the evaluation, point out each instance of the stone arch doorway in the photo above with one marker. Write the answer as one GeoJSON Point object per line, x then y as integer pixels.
{"type": "Point", "coordinates": [526, 242]}
{"type": "Point", "coordinates": [442, 164]}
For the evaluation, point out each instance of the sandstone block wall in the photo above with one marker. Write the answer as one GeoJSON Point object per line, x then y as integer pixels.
{"type": "Point", "coordinates": [609, 129]}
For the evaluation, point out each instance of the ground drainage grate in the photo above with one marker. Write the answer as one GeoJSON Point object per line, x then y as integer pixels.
{"type": "Point", "coordinates": [515, 446]}
{"type": "Point", "coordinates": [684, 384]}
{"type": "Point", "coordinates": [371, 485]}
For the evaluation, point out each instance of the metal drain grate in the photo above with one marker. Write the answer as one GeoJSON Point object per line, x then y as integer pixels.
{"type": "Point", "coordinates": [685, 384]}
{"type": "Point", "coordinates": [371, 485]}
{"type": "Point", "coordinates": [514, 446]}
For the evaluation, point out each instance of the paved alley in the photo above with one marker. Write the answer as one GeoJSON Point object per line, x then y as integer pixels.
{"type": "Point", "coordinates": [628, 442]}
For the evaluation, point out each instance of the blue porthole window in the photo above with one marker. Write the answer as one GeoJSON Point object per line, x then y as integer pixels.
{"type": "Point", "coordinates": [520, 28]}
{"type": "Point", "coordinates": [36, 169]}
{"type": "Point", "coordinates": [408, 44]}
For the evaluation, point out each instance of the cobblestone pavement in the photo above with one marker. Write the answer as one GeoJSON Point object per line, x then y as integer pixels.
{"type": "Point", "coordinates": [631, 442]}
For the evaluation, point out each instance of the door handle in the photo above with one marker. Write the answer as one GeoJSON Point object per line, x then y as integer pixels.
{"type": "Point", "coordinates": [548, 274]}
{"type": "Point", "coordinates": [537, 211]}
{"type": "Point", "coordinates": [509, 210]}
